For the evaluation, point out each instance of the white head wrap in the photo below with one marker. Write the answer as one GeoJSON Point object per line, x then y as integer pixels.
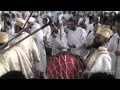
{"type": "Point", "coordinates": [31, 19]}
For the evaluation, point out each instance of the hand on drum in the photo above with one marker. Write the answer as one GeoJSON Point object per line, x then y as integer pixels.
{"type": "Point", "coordinates": [72, 46]}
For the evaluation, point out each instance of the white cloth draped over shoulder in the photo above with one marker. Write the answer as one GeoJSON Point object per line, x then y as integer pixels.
{"type": "Point", "coordinates": [99, 61]}
{"type": "Point", "coordinates": [29, 47]}
{"type": "Point", "coordinates": [16, 59]}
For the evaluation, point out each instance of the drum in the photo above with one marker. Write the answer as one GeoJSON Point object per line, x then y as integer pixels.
{"type": "Point", "coordinates": [65, 66]}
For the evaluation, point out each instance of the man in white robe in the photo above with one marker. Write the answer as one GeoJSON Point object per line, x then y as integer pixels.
{"type": "Point", "coordinates": [58, 40]}
{"type": "Point", "coordinates": [8, 25]}
{"type": "Point", "coordinates": [99, 60]}
{"type": "Point", "coordinates": [46, 30]}
{"type": "Point", "coordinates": [114, 48]}
{"type": "Point", "coordinates": [14, 59]}
{"type": "Point", "coordinates": [76, 38]}
{"type": "Point", "coordinates": [38, 37]}
{"type": "Point", "coordinates": [28, 45]}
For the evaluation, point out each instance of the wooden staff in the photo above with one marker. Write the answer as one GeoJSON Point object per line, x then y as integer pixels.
{"type": "Point", "coordinates": [4, 50]}
{"type": "Point", "coordinates": [23, 29]}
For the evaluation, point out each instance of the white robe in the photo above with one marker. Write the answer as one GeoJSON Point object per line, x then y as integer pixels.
{"type": "Point", "coordinates": [38, 37]}
{"type": "Point", "coordinates": [89, 28]}
{"type": "Point", "coordinates": [3, 69]}
{"type": "Point", "coordinates": [90, 37]}
{"type": "Point", "coordinates": [47, 32]}
{"type": "Point", "coordinates": [16, 59]}
{"type": "Point", "coordinates": [55, 42]}
{"type": "Point", "coordinates": [99, 61]}
{"type": "Point", "coordinates": [29, 47]}
{"type": "Point", "coordinates": [87, 22]}
{"type": "Point", "coordinates": [78, 38]}
{"type": "Point", "coordinates": [39, 19]}
{"type": "Point", "coordinates": [112, 47]}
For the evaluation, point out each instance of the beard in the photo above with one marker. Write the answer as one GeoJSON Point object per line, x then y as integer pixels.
{"type": "Point", "coordinates": [97, 44]}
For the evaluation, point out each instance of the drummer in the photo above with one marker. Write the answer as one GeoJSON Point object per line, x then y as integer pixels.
{"type": "Point", "coordinates": [76, 38]}
{"type": "Point", "coordinates": [58, 40]}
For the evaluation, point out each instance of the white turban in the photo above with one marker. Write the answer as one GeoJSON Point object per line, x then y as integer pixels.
{"type": "Point", "coordinates": [31, 20]}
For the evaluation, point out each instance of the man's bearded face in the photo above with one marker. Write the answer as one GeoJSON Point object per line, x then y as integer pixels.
{"type": "Point", "coordinates": [98, 41]}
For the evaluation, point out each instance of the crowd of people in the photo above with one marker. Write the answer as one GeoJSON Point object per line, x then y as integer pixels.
{"type": "Point", "coordinates": [75, 45]}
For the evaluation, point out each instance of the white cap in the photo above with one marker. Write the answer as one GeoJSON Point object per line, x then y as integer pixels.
{"type": "Point", "coordinates": [31, 20]}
